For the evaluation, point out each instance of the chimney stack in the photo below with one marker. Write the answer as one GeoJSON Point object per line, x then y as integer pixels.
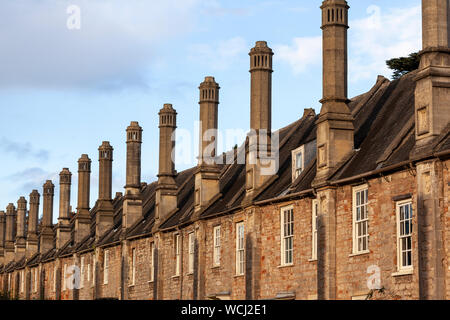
{"type": "Point", "coordinates": [132, 205]}
{"type": "Point", "coordinates": [432, 115]}
{"type": "Point", "coordinates": [83, 218]}
{"type": "Point", "coordinates": [21, 244]}
{"type": "Point", "coordinates": [10, 233]}
{"type": "Point", "coordinates": [2, 236]}
{"type": "Point", "coordinates": [46, 240]}
{"type": "Point", "coordinates": [207, 173]}
{"type": "Point", "coordinates": [63, 227]}
{"type": "Point", "coordinates": [166, 191]}
{"type": "Point", "coordinates": [259, 142]}
{"type": "Point", "coordinates": [105, 210]}
{"type": "Point", "coordinates": [335, 130]}
{"type": "Point", "coordinates": [32, 232]}
{"type": "Point", "coordinates": [432, 95]}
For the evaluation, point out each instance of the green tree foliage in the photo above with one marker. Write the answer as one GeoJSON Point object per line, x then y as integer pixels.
{"type": "Point", "coordinates": [403, 65]}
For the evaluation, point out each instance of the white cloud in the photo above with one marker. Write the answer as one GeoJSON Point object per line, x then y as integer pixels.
{"type": "Point", "coordinates": [382, 35]}
{"type": "Point", "coordinates": [218, 56]}
{"type": "Point", "coordinates": [302, 54]}
{"type": "Point", "coordinates": [116, 42]}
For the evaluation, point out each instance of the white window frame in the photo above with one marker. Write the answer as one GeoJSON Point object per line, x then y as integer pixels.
{"type": "Point", "coordinates": [364, 223]}
{"type": "Point", "coordinates": [177, 249]}
{"type": "Point", "coordinates": [287, 235]}
{"type": "Point", "coordinates": [240, 248]}
{"type": "Point", "coordinates": [294, 153]}
{"type": "Point", "coordinates": [400, 249]}
{"type": "Point", "coordinates": [9, 281]}
{"type": "Point", "coordinates": [106, 267]}
{"type": "Point", "coordinates": [314, 231]}
{"type": "Point", "coordinates": [152, 262]}
{"type": "Point", "coordinates": [82, 273]}
{"type": "Point", "coordinates": [133, 266]}
{"type": "Point", "coordinates": [191, 249]}
{"type": "Point", "coordinates": [216, 245]}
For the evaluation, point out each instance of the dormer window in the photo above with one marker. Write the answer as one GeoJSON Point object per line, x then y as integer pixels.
{"type": "Point", "coordinates": [298, 162]}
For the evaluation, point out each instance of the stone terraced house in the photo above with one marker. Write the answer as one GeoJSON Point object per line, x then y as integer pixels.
{"type": "Point", "coordinates": [358, 207]}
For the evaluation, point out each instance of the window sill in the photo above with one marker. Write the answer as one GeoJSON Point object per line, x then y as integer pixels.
{"type": "Point", "coordinates": [285, 266]}
{"type": "Point", "coordinates": [312, 259]}
{"type": "Point", "coordinates": [190, 274]}
{"type": "Point", "coordinates": [131, 285]}
{"type": "Point", "coordinates": [216, 267]}
{"type": "Point", "coordinates": [402, 273]}
{"type": "Point", "coordinates": [150, 281]}
{"type": "Point", "coordinates": [359, 253]}
{"type": "Point", "coordinates": [238, 275]}
{"type": "Point", "coordinates": [176, 277]}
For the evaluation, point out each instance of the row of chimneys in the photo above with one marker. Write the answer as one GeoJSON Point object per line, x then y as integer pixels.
{"type": "Point", "coordinates": [24, 241]}
{"type": "Point", "coordinates": [335, 139]}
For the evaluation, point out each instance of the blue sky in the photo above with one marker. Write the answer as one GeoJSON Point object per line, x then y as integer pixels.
{"type": "Point", "coordinates": [62, 92]}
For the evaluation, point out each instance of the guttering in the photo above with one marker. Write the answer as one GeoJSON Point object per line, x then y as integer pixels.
{"type": "Point", "coordinates": [442, 154]}
{"type": "Point", "coordinates": [371, 173]}
{"type": "Point", "coordinates": [286, 197]}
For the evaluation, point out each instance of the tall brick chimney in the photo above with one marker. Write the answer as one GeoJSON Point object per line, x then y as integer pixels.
{"type": "Point", "coordinates": [63, 226]}
{"type": "Point", "coordinates": [20, 244]}
{"type": "Point", "coordinates": [105, 210]}
{"type": "Point", "coordinates": [259, 146]}
{"type": "Point", "coordinates": [335, 130]}
{"type": "Point", "coordinates": [10, 233]}
{"type": "Point", "coordinates": [2, 236]}
{"type": "Point", "coordinates": [46, 236]}
{"type": "Point", "coordinates": [33, 217]}
{"type": "Point", "coordinates": [132, 205]}
{"type": "Point", "coordinates": [207, 173]}
{"type": "Point", "coordinates": [82, 218]}
{"type": "Point", "coordinates": [166, 191]}
{"type": "Point", "coordinates": [432, 95]}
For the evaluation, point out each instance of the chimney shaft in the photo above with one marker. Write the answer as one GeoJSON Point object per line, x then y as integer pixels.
{"type": "Point", "coordinates": [167, 126]}
{"type": "Point", "coordinates": [335, 130]}
{"type": "Point", "coordinates": [105, 159]}
{"type": "Point", "coordinates": [2, 229]}
{"type": "Point", "coordinates": [46, 237]}
{"type": "Point", "coordinates": [2, 236]}
{"type": "Point", "coordinates": [259, 147]}
{"type": "Point", "coordinates": [134, 141]}
{"type": "Point", "coordinates": [21, 220]}
{"type": "Point", "coordinates": [432, 94]}
{"type": "Point", "coordinates": [166, 190]}
{"type": "Point", "coordinates": [207, 173]}
{"type": "Point", "coordinates": [84, 183]}
{"type": "Point", "coordinates": [132, 205]}
{"type": "Point", "coordinates": [209, 101]}
{"type": "Point", "coordinates": [49, 192]}
{"type": "Point", "coordinates": [435, 24]}
{"type": "Point", "coordinates": [105, 210]}
{"type": "Point", "coordinates": [10, 233]}
{"type": "Point", "coordinates": [63, 227]}
{"type": "Point", "coordinates": [65, 181]}
{"type": "Point", "coordinates": [82, 218]}
{"type": "Point", "coordinates": [261, 87]}
{"type": "Point", "coordinates": [33, 216]}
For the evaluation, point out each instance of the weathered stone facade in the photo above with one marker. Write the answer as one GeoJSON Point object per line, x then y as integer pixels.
{"type": "Point", "coordinates": [365, 215]}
